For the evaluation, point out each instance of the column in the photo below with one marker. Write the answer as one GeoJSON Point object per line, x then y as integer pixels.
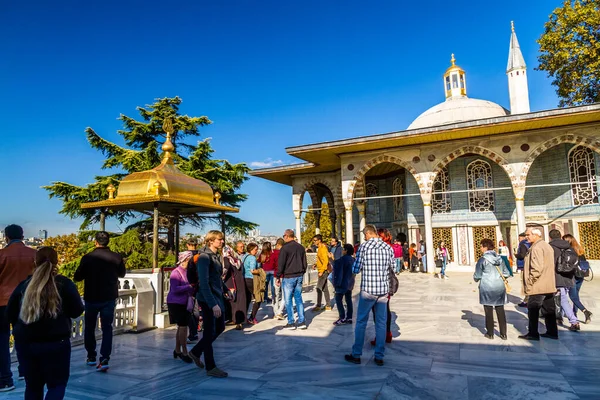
{"type": "Point", "coordinates": [317, 216]}
{"type": "Point", "coordinates": [362, 221]}
{"type": "Point", "coordinates": [349, 234]}
{"type": "Point", "coordinates": [298, 232]}
{"type": "Point", "coordinates": [338, 227]}
{"type": "Point", "coordinates": [155, 239]}
{"type": "Point", "coordinates": [521, 223]}
{"type": "Point", "coordinates": [177, 235]}
{"type": "Point", "coordinates": [102, 220]}
{"type": "Point", "coordinates": [429, 238]}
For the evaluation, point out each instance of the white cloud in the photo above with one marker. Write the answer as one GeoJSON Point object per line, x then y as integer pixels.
{"type": "Point", "coordinates": [267, 163]}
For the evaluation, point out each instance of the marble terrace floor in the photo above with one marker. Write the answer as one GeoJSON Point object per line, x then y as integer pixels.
{"type": "Point", "coordinates": [440, 354]}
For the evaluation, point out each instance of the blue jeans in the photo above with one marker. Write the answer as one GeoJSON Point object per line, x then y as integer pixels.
{"type": "Point", "coordinates": [292, 288]}
{"type": "Point", "coordinates": [444, 262]}
{"type": "Point", "coordinates": [45, 364]}
{"type": "Point", "coordinates": [366, 302]}
{"type": "Point", "coordinates": [398, 265]}
{"type": "Point", "coordinates": [5, 373]}
{"type": "Point", "coordinates": [270, 283]}
{"type": "Point", "coordinates": [107, 315]}
{"type": "Point", "coordinates": [424, 261]}
{"type": "Point", "coordinates": [574, 295]}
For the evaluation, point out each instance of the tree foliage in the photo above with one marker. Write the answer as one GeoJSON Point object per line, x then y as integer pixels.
{"type": "Point", "coordinates": [143, 141]}
{"type": "Point", "coordinates": [309, 225]}
{"type": "Point", "coordinates": [570, 52]}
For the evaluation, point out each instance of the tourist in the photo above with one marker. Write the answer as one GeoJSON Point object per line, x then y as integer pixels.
{"type": "Point", "coordinates": [386, 236]}
{"type": "Point", "coordinates": [240, 249]}
{"type": "Point", "coordinates": [520, 256]}
{"type": "Point", "coordinates": [236, 283]}
{"type": "Point", "coordinates": [442, 255]}
{"type": "Point", "coordinates": [422, 255]}
{"type": "Point", "coordinates": [259, 280]}
{"type": "Point", "coordinates": [343, 283]}
{"type": "Point", "coordinates": [192, 276]}
{"type": "Point", "coordinates": [397, 247]}
{"type": "Point", "coordinates": [180, 304]}
{"type": "Point", "coordinates": [16, 263]}
{"type": "Point", "coordinates": [100, 270]}
{"type": "Point", "coordinates": [579, 277]}
{"type": "Point", "coordinates": [565, 280]}
{"type": "Point", "coordinates": [405, 255]}
{"type": "Point", "coordinates": [250, 264]}
{"type": "Point", "coordinates": [279, 308]}
{"type": "Point", "coordinates": [491, 272]}
{"type": "Point", "coordinates": [266, 260]}
{"type": "Point", "coordinates": [504, 253]}
{"type": "Point", "coordinates": [414, 258]}
{"type": "Point", "coordinates": [40, 311]}
{"type": "Point", "coordinates": [335, 250]}
{"type": "Point", "coordinates": [322, 266]}
{"type": "Point", "coordinates": [292, 267]}
{"type": "Point", "coordinates": [211, 301]}
{"type": "Point", "coordinates": [539, 283]}
{"type": "Point", "coordinates": [374, 259]}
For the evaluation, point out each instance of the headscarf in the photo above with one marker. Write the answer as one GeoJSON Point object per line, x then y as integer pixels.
{"type": "Point", "coordinates": [230, 255]}
{"type": "Point", "coordinates": [183, 257]}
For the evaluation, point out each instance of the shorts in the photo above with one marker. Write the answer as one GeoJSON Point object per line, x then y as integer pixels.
{"type": "Point", "coordinates": [178, 314]}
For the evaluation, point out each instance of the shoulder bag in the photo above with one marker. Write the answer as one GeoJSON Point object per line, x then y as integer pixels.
{"type": "Point", "coordinates": [506, 284]}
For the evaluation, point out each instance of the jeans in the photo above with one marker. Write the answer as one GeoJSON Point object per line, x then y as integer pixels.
{"type": "Point", "coordinates": [213, 327]}
{"type": "Point", "coordinates": [424, 261]}
{"type": "Point", "coordinates": [444, 262]}
{"type": "Point", "coordinates": [45, 364]}
{"type": "Point", "coordinates": [344, 314]}
{"type": "Point", "coordinates": [366, 302]}
{"type": "Point", "coordinates": [489, 319]}
{"type": "Point", "coordinates": [292, 288]}
{"type": "Point", "coordinates": [567, 308]}
{"type": "Point", "coordinates": [107, 315]}
{"type": "Point", "coordinates": [545, 302]}
{"type": "Point", "coordinates": [398, 265]}
{"type": "Point", "coordinates": [5, 373]}
{"type": "Point", "coordinates": [270, 284]}
{"type": "Point", "coordinates": [574, 295]}
{"type": "Point", "coordinates": [323, 289]}
{"type": "Point", "coordinates": [388, 319]}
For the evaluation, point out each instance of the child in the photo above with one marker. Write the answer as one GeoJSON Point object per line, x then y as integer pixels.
{"type": "Point", "coordinates": [414, 260]}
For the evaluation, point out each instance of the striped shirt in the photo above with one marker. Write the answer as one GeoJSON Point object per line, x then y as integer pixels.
{"type": "Point", "coordinates": [374, 259]}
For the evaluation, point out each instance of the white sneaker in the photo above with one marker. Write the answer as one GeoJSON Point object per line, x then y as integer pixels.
{"type": "Point", "coordinates": [445, 277]}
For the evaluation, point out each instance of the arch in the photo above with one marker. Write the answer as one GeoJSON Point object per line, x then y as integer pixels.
{"type": "Point", "coordinates": [357, 187]}
{"type": "Point", "coordinates": [479, 176]}
{"type": "Point", "coordinates": [482, 151]}
{"type": "Point", "coordinates": [332, 196]}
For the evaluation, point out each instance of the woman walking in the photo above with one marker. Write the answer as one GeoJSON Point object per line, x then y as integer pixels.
{"type": "Point", "coordinates": [343, 283]}
{"type": "Point", "coordinates": [504, 253]}
{"type": "Point", "coordinates": [574, 291]}
{"type": "Point", "coordinates": [40, 310]}
{"type": "Point", "coordinates": [250, 265]}
{"type": "Point", "coordinates": [235, 282]}
{"type": "Point", "coordinates": [267, 261]}
{"type": "Point", "coordinates": [442, 254]}
{"type": "Point", "coordinates": [180, 304]}
{"type": "Point", "coordinates": [490, 272]}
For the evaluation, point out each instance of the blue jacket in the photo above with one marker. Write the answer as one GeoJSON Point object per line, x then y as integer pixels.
{"type": "Point", "coordinates": [343, 278]}
{"type": "Point", "coordinates": [491, 286]}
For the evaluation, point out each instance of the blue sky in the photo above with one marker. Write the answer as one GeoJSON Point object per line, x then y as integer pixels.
{"type": "Point", "coordinates": [270, 74]}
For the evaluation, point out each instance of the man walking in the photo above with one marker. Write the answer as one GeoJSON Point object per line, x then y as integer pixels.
{"type": "Point", "coordinates": [540, 285]}
{"type": "Point", "coordinates": [322, 269]}
{"type": "Point", "coordinates": [565, 277]}
{"type": "Point", "coordinates": [374, 259]}
{"type": "Point", "coordinates": [292, 266]}
{"type": "Point", "coordinates": [100, 270]}
{"type": "Point", "coordinates": [16, 264]}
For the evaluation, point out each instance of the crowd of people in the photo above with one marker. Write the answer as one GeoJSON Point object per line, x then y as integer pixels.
{"type": "Point", "coordinates": [216, 285]}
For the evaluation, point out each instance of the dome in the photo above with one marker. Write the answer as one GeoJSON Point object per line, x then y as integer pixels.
{"type": "Point", "coordinates": [458, 110]}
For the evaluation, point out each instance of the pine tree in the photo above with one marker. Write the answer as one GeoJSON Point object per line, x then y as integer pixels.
{"type": "Point", "coordinates": [143, 140]}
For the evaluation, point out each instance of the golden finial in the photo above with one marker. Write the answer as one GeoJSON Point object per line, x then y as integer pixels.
{"type": "Point", "coordinates": [512, 26]}
{"type": "Point", "coordinates": [111, 191]}
{"type": "Point", "coordinates": [452, 60]}
{"type": "Point", "coordinates": [167, 146]}
{"type": "Point", "coordinates": [217, 198]}
{"type": "Point", "coordinates": [157, 186]}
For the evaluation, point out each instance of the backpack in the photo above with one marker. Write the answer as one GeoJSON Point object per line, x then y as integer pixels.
{"type": "Point", "coordinates": [583, 268]}
{"type": "Point", "coordinates": [567, 261]}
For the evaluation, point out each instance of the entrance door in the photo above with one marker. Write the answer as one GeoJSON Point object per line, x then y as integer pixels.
{"type": "Point", "coordinates": [480, 233]}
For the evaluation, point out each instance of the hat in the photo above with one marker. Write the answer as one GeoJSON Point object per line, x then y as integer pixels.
{"type": "Point", "coordinates": [184, 256]}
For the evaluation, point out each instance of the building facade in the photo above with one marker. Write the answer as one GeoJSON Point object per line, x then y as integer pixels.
{"type": "Point", "coordinates": [464, 170]}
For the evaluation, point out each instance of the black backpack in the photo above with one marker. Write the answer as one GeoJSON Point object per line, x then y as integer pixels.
{"type": "Point", "coordinates": [567, 261]}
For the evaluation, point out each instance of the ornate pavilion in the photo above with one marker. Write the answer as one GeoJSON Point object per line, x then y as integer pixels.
{"type": "Point", "coordinates": [464, 170]}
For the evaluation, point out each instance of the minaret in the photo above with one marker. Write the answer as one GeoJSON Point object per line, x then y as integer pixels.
{"type": "Point", "coordinates": [455, 83]}
{"type": "Point", "coordinates": [517, 79]}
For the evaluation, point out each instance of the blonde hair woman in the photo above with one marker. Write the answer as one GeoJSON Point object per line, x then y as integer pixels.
{"type": "Point", "coordinates": [40, 310]}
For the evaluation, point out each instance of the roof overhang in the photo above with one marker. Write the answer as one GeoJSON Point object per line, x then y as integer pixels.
{"type": "Point", "coordinates": [166, 205]}
{"type": "Point", "coordinates": [325, 156]}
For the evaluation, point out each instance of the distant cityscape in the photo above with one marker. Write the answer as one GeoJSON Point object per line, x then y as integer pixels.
{"type": "Point", "coordinates": [34, 242]}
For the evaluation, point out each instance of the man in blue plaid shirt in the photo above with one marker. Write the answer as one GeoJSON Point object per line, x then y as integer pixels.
{"type": "Point", "coordinates": [374, 259]}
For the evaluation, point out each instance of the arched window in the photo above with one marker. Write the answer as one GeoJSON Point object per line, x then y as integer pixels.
{"type": "Point", "coordinates": [398, 188]}
{"type": "Point", "coordinates": [372, 205]}
{"type": "Point", "coordinates": [479, 178]}
{"type": "Point", "coordinates": [582, 168]}
{"type": "Point", "coordinates": [440, 202]}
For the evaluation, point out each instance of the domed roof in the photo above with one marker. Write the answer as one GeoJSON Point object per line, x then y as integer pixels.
{"type": "Point", "coordinates": [458, 109]}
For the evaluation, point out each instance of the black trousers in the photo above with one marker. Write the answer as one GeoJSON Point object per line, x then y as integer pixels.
{"type": "Point", "coordinates": [545, 302]}
{"type": "Point", "coordinates": [323, 289]}
{"type": "Point", "coordinates": [45, 364]}
{"type": "Point", "coordinates": [489, 319]}
{"type": "Point", "coordinates": [213, 327]}
{"type": "Point", "coordinates": [344, 313]}
{"type": "Point", "coordinates": [249, 292]}
{"type": "Point", "coordinates": [193, 326]}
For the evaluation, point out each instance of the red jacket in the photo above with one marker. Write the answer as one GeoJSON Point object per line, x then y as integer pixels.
{"type": "Point", "coordinates": [16, 264]}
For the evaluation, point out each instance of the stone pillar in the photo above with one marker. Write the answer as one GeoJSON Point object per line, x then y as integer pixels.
{"type": "Point", "coordinates": [362, 221]}
{"type": "Point", "coordinates": [102, 220]}
{"type": "Point", "coordinates": [429, 238]}
{"type": "Point", "coordinates": [349, 234]}
{"type": "Point", "coordinates": [521, 223]}
{"type": "Point", "coordinates": [317, 216]}
{"type": "Point", "coordinates": [298, 232]}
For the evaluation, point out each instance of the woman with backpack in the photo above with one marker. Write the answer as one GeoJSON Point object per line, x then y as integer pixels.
{"type": "Point", "coordinates": [579, 277]}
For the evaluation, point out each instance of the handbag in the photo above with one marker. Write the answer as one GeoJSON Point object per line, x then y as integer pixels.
{"type": "Point", "coordinates": [506, 284]}
{"type": "Point", "coordinates": [393, 281]}
{"type": "Point", "coordinates": [191, 302]}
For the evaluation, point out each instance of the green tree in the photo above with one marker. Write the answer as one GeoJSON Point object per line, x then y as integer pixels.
{"type": "Point", "coordinates": [66, 246]}
{"type": "Point", "coordinates": [570, 52]}
{"type": "Point", "coordinates": [309, 225]}
{"type": "Point", "coordinates": [143, 139]}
